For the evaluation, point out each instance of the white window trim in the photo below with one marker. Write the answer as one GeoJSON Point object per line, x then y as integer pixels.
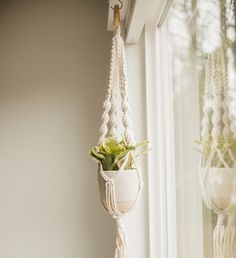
{"type": "Point", "coordinates": [157, 202]}
{"type": "Point", "coordinates": [160, 130]}
{"type": "Point", "coordinates": [160, 161]}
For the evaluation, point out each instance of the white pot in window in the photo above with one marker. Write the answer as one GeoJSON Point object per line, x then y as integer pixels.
{"type": "Point", "coordinates": [220, 186]}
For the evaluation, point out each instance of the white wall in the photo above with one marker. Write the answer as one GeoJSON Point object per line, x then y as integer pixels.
{"type": "Point", "coordinates": [53, 61]}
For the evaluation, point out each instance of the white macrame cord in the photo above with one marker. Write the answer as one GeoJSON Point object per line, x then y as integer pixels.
{"type": "Point", "coordinates": [216, 122]}
{"type": "Point", "coordinates": [118, 83]}
{"type": "Point", "coordinates": [117, 77]}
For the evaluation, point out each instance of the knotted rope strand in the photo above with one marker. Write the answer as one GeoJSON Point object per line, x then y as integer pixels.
{"type": "Point", "coordinates": [224, 237]}
{"type": "Point", "coordinates": [126, 120]}
{"type": "Point", "coordinates": [118, 82]}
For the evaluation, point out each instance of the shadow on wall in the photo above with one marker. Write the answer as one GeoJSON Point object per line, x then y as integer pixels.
{"type": "Point", "coordinates": [54, 61]}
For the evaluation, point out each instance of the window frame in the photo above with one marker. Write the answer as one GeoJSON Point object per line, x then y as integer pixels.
{"type": "Point", "coordinates": [162, 205]}
{"type": "Point", "coordinates": [161, 133]}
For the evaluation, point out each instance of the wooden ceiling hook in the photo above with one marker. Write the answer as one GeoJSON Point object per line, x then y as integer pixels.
{"type": "Point", "coordinates": [116, 20]}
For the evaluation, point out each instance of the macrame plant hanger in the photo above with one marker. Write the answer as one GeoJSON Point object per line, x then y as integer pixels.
{"type": "Point", "coordinates": [119, 190]}
{"type": "Point", "coordinates": [218, 169]}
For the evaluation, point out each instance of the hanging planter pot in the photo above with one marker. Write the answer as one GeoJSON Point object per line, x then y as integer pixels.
{"type": "Point", "coordinates": [218, 160]}
{"type": "Point", "coordinates": [126, 189]}
{"type": "Point", "coordinates": [119, 176]}
{"type": "Point", "coordinates": [219, 185]}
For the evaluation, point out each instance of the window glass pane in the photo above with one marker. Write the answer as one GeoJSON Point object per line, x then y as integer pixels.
{"type": "Point", "coordinates": [195, 29]}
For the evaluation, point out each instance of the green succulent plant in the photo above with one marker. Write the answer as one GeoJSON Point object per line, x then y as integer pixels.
{"type": "Point", "coordinates": [112, 153]}
{"type": "Point", "coordinates": [224, 145]}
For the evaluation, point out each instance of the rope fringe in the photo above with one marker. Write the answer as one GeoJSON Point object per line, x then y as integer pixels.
{"type": "Point", "coordinates": [230, 238]}
{"type": "Point", "coordinates": [122, 241]}
{"type": "Point", "coordinates": [218, 238]}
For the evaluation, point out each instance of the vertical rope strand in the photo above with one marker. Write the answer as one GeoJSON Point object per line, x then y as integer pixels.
{"type": "Point", "coordinates": [227, 132]}
{"type": "Point", "coordinates": [217, 103]}
{"type": "Point", "coordinates": [230, 238]}
{"type": "Point", "coordinates": [217, 100]}
{"type": "Point", "coordinates": [113, 111]}
{"type": "Point", "coordinates": [207, 109]}
{"type": "Point", "coordinates": [109, 105]}
{"type": "Point", "coordinates": [126, 119]}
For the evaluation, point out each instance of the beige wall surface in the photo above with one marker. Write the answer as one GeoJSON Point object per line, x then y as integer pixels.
{"type": "Point", "coordinates": [53, 65]}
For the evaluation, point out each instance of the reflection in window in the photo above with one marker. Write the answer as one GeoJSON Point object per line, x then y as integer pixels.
{"type": "Point", "coordinates": [196, 28]}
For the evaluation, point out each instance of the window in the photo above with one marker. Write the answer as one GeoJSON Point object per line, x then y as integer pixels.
{"type": "Point", "coordinates": [187, 32]}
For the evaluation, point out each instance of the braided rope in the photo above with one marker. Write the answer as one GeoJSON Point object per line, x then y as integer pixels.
{"type": "Point", "coordinates": [118, 80]}
{"type": "Point", "coordinates": [216, 80]}
{"type": "Point", "coordinates": [109, 103]}
{"type": "Point", "coordinates": [217, 101]}
{"type": "Point", "coordinates": [207, 109]}
{"type": "Point", "coordinates": [224, 237]}
{"type": "Point", "coordinates": [126, 120]}
{"type": "Point", "coordinates": [114, 86]}
{"type": "Point", "coordinates": [227, 132]}
{"type": "Point", "coordinates": [207, 99]}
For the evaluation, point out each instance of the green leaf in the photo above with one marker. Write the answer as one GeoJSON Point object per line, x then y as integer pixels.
{"type": "Point", "coordinates": [120, 156]}
{"type": "Point", "coordinates": [143, 152]}
{"type": "Point", "coordinates": [95, 152]}
{"type": "Point", "coordinates": [112, 153]}
{"type": "Point", "coordinates": [95, 157]}
{"type": "Point", "coordinates": [107, 163]}
{"type": "Point", "coordinates": [143, 143]}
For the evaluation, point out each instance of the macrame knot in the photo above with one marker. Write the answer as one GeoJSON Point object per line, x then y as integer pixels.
{"type": "Point", "coordinates": [216, 132]}
{"type": "Point", "coordinates": [109, 183]}
{"type": "Point", "coordinates": [126, 121]}
{"type": "Point", "coordinates": [126, 108]}
{"type": "Point", "coordinates": [105, 118]}
{"type": "Point", "coordinates": [113, 118]}
{"type": "Point", "coordinates": [216, 117]}
{"type": "Point", "coordinates": [103, 130]}
{"type": "Point", "coordinates": [106, 104]}
{"type": "Point", "coordinates": [117, 195]}
{"type": "Point", "coordinates": [205, 121]}
{"type": "Point", "coordinates": [129, 137]}
{"type": "Point", "coordinates": [116, 31]}
{"type": "Point", "coordinates": [227, 133]}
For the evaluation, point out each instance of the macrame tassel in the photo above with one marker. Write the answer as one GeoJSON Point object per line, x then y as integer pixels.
{"type": "Point", "coordinates": [122, 242]}
{"type": "Point", "coordinates": [218, 238]}
{"type": "Point", "coordinates": [230, 238]}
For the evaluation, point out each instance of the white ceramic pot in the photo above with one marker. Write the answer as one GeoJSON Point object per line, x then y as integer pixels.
{"type": "Point", "coordinates": [126, 189]}
{"type": "Point", "coordinates": [219, 185]}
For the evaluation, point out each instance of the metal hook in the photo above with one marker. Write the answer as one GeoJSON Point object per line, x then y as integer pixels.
{"type": "Point", "coordinates": [121, 5]}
